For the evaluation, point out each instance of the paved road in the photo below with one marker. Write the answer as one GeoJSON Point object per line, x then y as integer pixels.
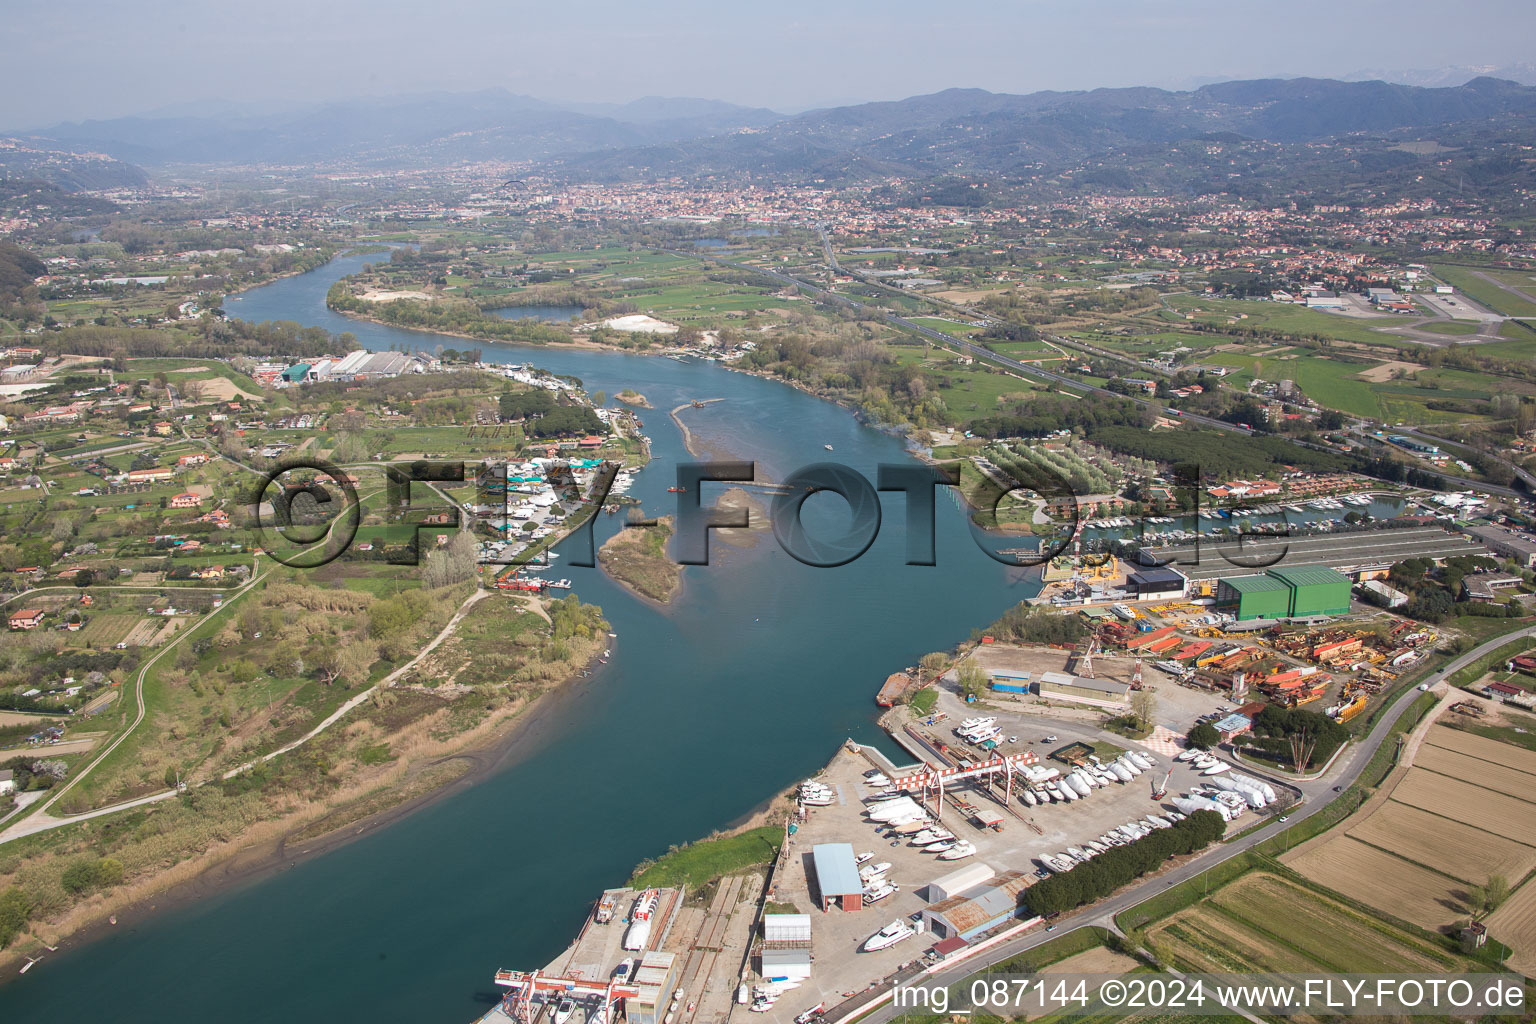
{"type": "Point", "coordinates": [40, 819]}
{"type": "Point", "coordinates": [1317, 794]}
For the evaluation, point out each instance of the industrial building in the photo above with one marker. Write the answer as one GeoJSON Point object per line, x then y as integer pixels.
{"type": "Point", "coordinates": [958, 881]}
{"type": "Point", "coordinates": [655, 977]}
{"type": "Point", "coordinates": [1157, 584]}
{"type": "Point", "coordinates": [1102, 693]}
{"type": "Point", "coordinates": [978, 909]}
{"type": "Point", "coordinates": [1253, 597]}
{"type": "Point", "coordinates": [1315, 590]}
{"type": "Point", "coordinates": [786, 949]}
{"type": "Point", "coordinates": [1297, 592]}
{"type": "Point", "coordinates": [837, 876]}
{"type": "Point", "coordinates": [1008, 681]}
{"type": "Point", "coordinates": [1357, 552]}
{"type": "Point", "coordinates": [1506, 544]}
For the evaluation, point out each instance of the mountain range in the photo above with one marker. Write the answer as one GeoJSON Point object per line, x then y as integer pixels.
{"type": "Point", "coordinates": [963, 132]}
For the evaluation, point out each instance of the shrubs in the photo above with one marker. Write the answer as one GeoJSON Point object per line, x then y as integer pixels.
{"type": "Point", "coordinates": [85, 874]}
{"type": "Point", "coordinates": [14, 911]}
{"type": "Point", "coordinates": [1108, 871]}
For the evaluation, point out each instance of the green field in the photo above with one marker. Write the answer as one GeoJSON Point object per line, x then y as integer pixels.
{"type": "Point", "coordinates": [1285, 316]}
{"type": "Point", "coordinates": [1487, 293]}
{"type": "Point", "coordinates": [1329, 382]}
{"type": "Point", "coordinates": [700, 863]}
{"type": "Point", "coordinates": [950, 327]}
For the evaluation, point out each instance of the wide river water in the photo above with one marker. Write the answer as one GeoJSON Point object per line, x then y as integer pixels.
{"type": "Point", "coordinates": [748, 681]}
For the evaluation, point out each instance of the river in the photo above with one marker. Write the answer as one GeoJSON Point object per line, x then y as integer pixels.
{"type": "Point", "coordinates": [747, 683]}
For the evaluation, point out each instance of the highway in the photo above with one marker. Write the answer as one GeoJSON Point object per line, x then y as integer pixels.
{"type": "Point", "coordinates": [1317, 794]}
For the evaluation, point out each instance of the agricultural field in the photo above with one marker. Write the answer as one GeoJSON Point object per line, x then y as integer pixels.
{"type": "Point", "coordinates": [1449, 847]}
{"type": "Point", "coordinates": [1509, 781]}
{"type": "Point", "coordinates": [1261, 922]}
{"type": "Point", "coordinates": [1389, 883]}
{"type": "Point", "coordinates": [1484, 749]}
{"type": "Point", "coordinates": [1470, 803]}
{"type": "Point", "coordinates": [1514, 924]}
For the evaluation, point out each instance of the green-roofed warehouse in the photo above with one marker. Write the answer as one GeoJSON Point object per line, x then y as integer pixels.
{"type": "Point", "coordinates": [1315, 590]}
{"type": "Point", "coordinates": [1254, 597]}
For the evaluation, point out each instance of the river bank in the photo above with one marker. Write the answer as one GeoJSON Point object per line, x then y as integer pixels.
{"type": "Point", "coordinates": [741, 654]}
{"type": "Point", "coordinates": [428, 770]}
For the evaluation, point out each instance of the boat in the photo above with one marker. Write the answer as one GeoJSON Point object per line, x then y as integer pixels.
{"type": "Point", "coordinates": [888, 936]}
{"type": "Point", "coordinates": [1080, 787]}
{"type": "Point", "coordinates": [928, 837]}
{"type": "Point", "coordinates": [677, 490]}
{"type": "Point", "coordinates": [964, 848]}
{"type": "Point", "coordinates": [940, 847]}
{"type": "Point", "coordinates": [1028, 798]}
{"type": "Point", "coordinates": [870, 871]}
{"type": "Point", "coordinates": [971, 723]}
{"type": "Point", "coordinates": [639, 931]}
{"type": "Point", "coordinates": [817, 800]}
{"type": "Point", "coordinates": [1215, 769]}
{"type": "Point", "coordinates": [1077, 854]}
{"type": "Point", "coordinates": [558, 584]}
{"type": "Point", "coordinates": [864, 858]}
{"type": "Point", "coordinates": [878, 894]}
{"type": "Point", "coordinates": [827, 447]}
{"type": "Point", "coordinates": [564, 1009]}
{"type": "Point", "coordinates": [1142, 759]}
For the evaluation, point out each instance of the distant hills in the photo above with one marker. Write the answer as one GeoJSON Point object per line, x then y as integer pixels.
{"type": "Point", "coordinates": [425, 130]}
{"type": "Point", "coordinates": [1204, 138]}
{"type": "Point", "coordinates": [971, 131]}
{"type": "Point", "coordinates": [45, 162]}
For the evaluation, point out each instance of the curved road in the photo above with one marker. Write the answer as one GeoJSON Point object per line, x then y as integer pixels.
{"type": "Point", "coordinates": [1343, 775]}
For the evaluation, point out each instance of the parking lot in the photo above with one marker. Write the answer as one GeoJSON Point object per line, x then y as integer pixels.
{"type": "Point", "coordinates": [1026, 832]}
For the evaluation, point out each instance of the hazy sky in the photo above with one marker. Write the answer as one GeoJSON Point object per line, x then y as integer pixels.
{"type": "Point", "coordinates": [92, 58]}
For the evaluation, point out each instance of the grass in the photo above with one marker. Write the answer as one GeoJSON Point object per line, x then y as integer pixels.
{"type": "Point", "coordinates": [924, 701]}
{"type": "Point", "coordinates": [1489, 294]}
{"type": "Point", "coordinates": [698, 864]}
{"type": "Point", "coordinates": [1450, 327]}
{"type": "Point", "coordinates": [1283, 316]}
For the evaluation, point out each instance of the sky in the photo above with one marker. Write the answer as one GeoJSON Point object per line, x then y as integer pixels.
{"type": "Point", "coordinates": [98, 59]}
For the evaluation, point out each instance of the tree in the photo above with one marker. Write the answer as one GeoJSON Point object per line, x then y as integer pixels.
{"type": "Point", "coordinates": [933, 662]}
{"type": "Point", "coordinates": [1485, 899]}
{"type": "Point", "coordinates": [1301, 744]}
{"type": "Point", "coordinates": [1204, 736]}
{"type": "Point", "coordinates": [1144, 708]}
{"type": "Point", "coordinates": [973, 681]}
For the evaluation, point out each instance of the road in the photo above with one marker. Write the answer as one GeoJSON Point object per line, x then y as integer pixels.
{"type": "Point", "coordinates": [1317, 795]}
{"type": "Point", "coordinates": [1029, 370]}
{"type": "Point", "coordinates": [40, 820]}
{"type": "Point", "coordinates": [40, 817]}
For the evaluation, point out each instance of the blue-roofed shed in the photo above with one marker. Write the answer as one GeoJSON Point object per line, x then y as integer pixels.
{"type": "Point", "coordinates": [837, 876]}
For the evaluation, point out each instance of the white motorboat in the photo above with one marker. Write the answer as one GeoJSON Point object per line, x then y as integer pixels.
{"type": "Point", "coordinates": [865, 857]}
{"type": "Point", "coordinates": [871, 871]}
{"type": "Point", "coordinates": [944, 846]}
{"type": "Point", "coordinates": [964, 848]}
{"type": "Point", "coordinates": [888, 936]}
{"type": "Point", "coordinates": [564, 1009]}
{"type": "Point", "coordinates": [879, 893]}
{"type": "Point", "coordinates": [1215, 769]}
